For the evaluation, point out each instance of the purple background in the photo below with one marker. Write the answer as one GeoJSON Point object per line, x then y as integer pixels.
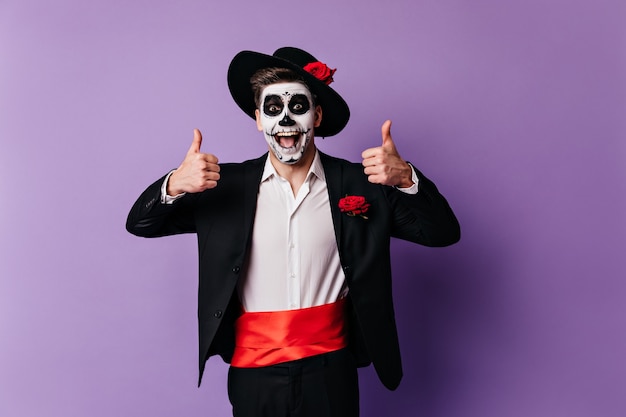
{"type": "Point", "coordinates": [515, 108]}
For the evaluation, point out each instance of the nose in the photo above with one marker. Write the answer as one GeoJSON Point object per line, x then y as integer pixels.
{"type": "Point", "coordinates": [286, 121]}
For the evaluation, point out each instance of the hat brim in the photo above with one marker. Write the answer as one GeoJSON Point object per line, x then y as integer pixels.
{"type": "Point", "coordinates": [335, 111]}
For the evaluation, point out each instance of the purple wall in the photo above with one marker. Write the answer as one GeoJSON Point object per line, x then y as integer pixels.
{"type": "Point", "coordinates": [516, 109]}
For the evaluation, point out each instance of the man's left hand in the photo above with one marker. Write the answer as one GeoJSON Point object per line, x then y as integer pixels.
{"type": "Point", "coordinates": [383, 165]}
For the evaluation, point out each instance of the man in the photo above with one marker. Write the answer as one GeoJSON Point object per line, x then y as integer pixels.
{"type": "Point", "coordinates": [294, 263]}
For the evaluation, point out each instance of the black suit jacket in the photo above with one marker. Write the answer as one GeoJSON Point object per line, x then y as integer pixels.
{"type": "Point", "coordinates": [223, 217]}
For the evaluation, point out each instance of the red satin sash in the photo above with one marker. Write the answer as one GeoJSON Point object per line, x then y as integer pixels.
{"type": "Point", "coordinates": [268, 338]}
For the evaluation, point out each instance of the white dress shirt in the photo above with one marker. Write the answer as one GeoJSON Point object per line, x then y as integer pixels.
{"type": "Point", "coordinates": [294, 260]}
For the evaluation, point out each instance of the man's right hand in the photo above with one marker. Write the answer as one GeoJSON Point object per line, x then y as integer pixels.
{"type": "Point", "coordinates": [198, 171]}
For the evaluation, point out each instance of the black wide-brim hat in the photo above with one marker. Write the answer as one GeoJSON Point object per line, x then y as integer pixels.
{"type": "Point", "coordinates": [335, 111]}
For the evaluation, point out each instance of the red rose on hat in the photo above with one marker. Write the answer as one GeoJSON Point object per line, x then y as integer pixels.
{"type": "Point", "coordinates": [320, 71]}
{"type": "Point", "coordinates": [354, 205]}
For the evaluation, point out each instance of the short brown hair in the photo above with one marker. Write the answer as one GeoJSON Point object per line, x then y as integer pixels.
{"type": "Point", "coordinates": [266, 76]}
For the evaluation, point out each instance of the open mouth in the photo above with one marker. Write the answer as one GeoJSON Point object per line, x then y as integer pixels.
{"type": "Point", "coordinates": [288, 140]}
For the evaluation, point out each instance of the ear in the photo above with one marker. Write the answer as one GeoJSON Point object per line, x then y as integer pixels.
{"type": "Point", "coordinates": [318, 115]}
{"type": "Point", "coordinates": [257, 115]}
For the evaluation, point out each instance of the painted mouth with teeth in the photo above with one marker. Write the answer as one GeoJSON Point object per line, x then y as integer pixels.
{"type": "Point", "coordinates": [288, 140]}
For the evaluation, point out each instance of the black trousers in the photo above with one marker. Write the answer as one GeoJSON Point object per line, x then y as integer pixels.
{"type": "Point", "coordinates": [320, 386]}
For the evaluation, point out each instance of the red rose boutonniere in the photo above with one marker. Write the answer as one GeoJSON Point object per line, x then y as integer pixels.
{"type": "Point", "coordinates": [320, 71]}
{"type": "Point", "coordinates": [354, 205]}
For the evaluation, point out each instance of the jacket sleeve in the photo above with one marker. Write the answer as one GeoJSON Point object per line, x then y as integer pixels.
{"type": "Point", "coordinates": [425, 218]}
{"type": "Point", "coordinates": [151, 218]}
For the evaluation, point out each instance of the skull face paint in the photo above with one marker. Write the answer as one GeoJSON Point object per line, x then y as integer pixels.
{"type": "Point", "coordinates": [287, 118]}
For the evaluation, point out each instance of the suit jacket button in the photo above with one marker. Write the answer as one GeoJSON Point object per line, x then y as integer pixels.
{"type": "Point", "coordinates": [217, 314]}
{"type": "Point", "coordinates": [236, 270]}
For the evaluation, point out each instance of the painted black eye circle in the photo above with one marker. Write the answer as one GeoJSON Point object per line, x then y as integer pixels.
{"type": "Point", "coordinates": [299, 104]}
{"type": "Point", "coordinates": [272, 106]}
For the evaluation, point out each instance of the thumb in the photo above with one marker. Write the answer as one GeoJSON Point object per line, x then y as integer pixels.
{"type": "Point", "coordinates": [386, 133]}
{"type": "Point", "coordinates": [197, 142]}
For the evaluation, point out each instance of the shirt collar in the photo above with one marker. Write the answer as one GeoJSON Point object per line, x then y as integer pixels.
{"type": "Point", "coordinates": [316, 168]}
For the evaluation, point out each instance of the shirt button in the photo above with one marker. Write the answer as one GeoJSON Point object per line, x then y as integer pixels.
{"type": "Point", "coordinates": [217, 314]}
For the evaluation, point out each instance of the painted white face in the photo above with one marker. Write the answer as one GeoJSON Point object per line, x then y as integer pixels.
{"type": "Point", "coordinates": [287, 118]}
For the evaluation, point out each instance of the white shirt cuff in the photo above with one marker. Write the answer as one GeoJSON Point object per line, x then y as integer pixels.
{"type": "Point", "coordinates": [413, 188]}
{"type": "Point", "coordinates": [165, 198]}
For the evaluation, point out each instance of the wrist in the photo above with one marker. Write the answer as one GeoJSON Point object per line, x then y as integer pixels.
{"type": "Point", "coordinates": [170, 187]}
{"type": "Point", "coordinates": [407, 177]}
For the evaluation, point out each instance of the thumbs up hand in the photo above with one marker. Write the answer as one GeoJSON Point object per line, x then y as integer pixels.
{"type": "Point", "coordinates": [383, 165]}
{"type": "Point", "coordinates": [198, 171]}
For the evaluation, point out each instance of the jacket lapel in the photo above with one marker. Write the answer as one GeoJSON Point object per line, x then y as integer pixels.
{"type": "Point", "coordinates": [334, 182]}
{"type": "Point", "coordinates": [251, 181]}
